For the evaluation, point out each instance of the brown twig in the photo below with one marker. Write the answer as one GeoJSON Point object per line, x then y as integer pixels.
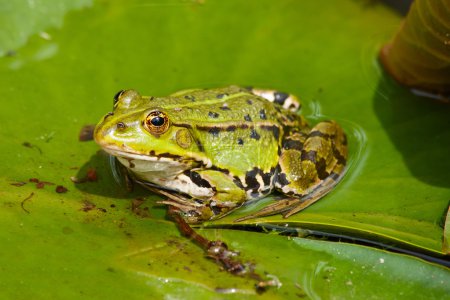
{"type": "Point", "coordinates": [218, 251]}
{"type": "Point", "coordinates": [24, 200]}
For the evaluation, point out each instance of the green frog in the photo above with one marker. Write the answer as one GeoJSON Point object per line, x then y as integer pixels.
{"type": "Point", "coordinates": [220, 148]}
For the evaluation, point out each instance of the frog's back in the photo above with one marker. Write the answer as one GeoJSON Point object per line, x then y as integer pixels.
{"type": "Point", "coordinates": [239, 131]}
{"type": "Point", "coordinates": [228, 105]}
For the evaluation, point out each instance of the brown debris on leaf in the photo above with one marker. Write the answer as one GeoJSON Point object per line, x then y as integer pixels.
{"type": "Point", "coordinates": [86, 133]}
{"type": "Point", "coordinates": [40, 184]}
{"type": "Point", "coordinates": [91, 176]}
{"type": "Point", "coordinates": [138, 210]}
{"type": "Point", "coordinates": [31, 146]}
{"type": "Point", "coordinates": [18, 183]}
{"type": "Point", "coordinates": [88, 206]}
{"type": "Point", "coordinates": [219, 252]}
{"type": "Point", "coordinates": [22, 204]}
{"type": "Point", "coordinates": [61, 189]}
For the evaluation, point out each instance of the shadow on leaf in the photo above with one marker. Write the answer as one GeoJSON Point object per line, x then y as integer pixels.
{"type": "Point", "coordinates": [420, 130]}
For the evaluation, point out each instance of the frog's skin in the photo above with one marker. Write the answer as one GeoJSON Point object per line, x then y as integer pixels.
{"type": "Point", "coordinates": [223, 147]}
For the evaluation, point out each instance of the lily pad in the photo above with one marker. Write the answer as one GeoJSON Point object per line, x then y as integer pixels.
{"type": "Point", "coordinates": [96, 240]}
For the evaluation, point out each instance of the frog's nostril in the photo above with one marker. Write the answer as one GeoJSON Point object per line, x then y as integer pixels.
{"type": "Point", "coordinates": [121, 125]}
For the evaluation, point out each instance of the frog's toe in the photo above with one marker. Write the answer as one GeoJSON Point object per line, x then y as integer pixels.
{"type": "Point", "coordinates": [279, 207]}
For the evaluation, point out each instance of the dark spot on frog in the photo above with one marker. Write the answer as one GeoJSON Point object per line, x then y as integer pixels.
{"type": "Point", "coordinates": [282, 179]}
{"type": "Point", "coordinates": [240, 141]}
{"type": "Point", "coordinates": [250, 179]}
{"type": "Point", "coordinates": [187, 268]}
{"type": "Point", "coordinates": [197, 179]}
{"type": "Point", "coordinates": [200, 146]}
{"type": "Point", "coordinates": [247, 118]}
{"type": "Point", "coordinates": [280, 97]}
{"type": "Point", "coordinates": [291, 117]}
{"type": "Point", "coordinates": [275, 130]}
{"type": "Point", "coordinates": [214, 131]}
{"type": "Point", "coordinates": [292, 144]}
{"type": "Point", "coordinates": [318, 133]}
{"type": "Point", "coordinates": [225, 171]}
{"type": "Point", "coordinates": [249, 102]}
{"type": "Point", "coordinates": [225, 107]}
{"type": "Point", "coordinates": [220, 96]}
{"type": "Point", "coordinates": [340, 158]}
{"type": "Point", "coordinates": [213, 115]}
{"type": "Point", "coordinates": [215, 209]}
{"type": "Point", "coordinates": [321, 167]}
{"type": "Point", "coordinates": [262, 114]}
{"type": "Point", "coordinates": [190, 97]}
{"type": "Point", "coordinates": [267, 177]}
{"type": "Point", "coordinates": [310, 155]}
{"type": "Point", "coordinates": [254, 134]}
{"type": "Point", "coordinates": [231, 128]}
{"type": "Point", "coordinates": [238, 182]}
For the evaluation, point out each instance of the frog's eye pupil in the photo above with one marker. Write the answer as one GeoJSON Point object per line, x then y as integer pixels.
{"type": "Point", "coordinates": [157, 121]}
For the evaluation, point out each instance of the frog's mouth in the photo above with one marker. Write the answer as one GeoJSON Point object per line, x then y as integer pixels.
{"type": "Point", "coordinates": [164, 163]}
{"type": "Point", "coordinates": [145, 163]}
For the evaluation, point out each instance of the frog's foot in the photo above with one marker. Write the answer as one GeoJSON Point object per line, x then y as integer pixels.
{"type": "Point", "coordinates": [289, 206]}
{"type": "Point", "coordinates": [187, 206]}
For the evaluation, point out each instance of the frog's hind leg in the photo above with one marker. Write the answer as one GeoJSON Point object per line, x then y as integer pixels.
{"type": "Point", "coordinates": [309, 168]}
{"type": "Point", "coordinates": [288, 101]}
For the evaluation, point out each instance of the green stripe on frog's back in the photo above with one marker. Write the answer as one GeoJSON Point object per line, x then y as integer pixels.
{"type": "Point", "coordinates": [196, 97]}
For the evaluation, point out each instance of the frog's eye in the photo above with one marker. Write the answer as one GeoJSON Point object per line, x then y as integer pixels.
{"type": "Point", "coordinates": [125, 98]}
{"type": "Point", "coordinates": [157, 122]}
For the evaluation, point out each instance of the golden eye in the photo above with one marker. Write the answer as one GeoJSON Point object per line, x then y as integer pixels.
{"type": "Point", "coordinates": [157, 122]}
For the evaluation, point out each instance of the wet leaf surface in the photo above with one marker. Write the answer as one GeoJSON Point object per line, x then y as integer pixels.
{"type": "Point", "coordinates": [96, 240]}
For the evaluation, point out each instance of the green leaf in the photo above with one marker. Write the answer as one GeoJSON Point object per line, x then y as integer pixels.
{"type": "Point", "coordinates": [21, 19]}
{"type": "Point", "coordinates": [97, 241]}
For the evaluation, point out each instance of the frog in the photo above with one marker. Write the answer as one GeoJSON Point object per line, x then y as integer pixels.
{"type": "Point", "coordinates": [214, 150]}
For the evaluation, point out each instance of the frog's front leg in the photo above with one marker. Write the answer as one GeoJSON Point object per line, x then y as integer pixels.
{"type": "Point", "coordinates": [224, 195]}
{"type": "Point", "coordinates": [310, 166]}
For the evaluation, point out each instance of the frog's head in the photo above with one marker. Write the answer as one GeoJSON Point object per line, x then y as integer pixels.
{"type": "Point", "coordinates": [140, 133]}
